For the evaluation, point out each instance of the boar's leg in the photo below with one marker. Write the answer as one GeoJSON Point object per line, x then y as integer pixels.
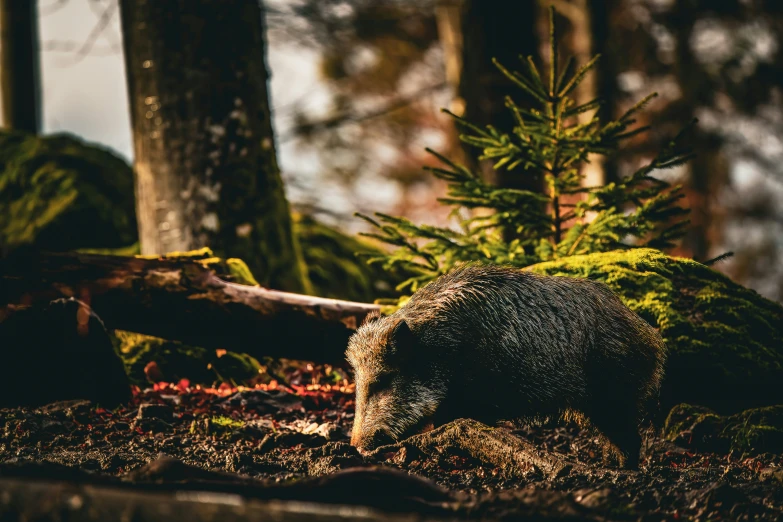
{"type": "Point", "coordinates": [619, 425]}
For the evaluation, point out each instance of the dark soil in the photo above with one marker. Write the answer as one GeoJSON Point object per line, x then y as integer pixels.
{"type": "Point", "coordinates": [278, 433]}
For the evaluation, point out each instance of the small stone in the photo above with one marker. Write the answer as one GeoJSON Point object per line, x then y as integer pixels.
{"type": "Point", "coordinates": [401, 457]}
{"type": "Point", "coordinates": [593, 499]}
{"type": "Point", "coordinates": [156, 411]}
{"type": "Point", "coordinates": [152, 425]}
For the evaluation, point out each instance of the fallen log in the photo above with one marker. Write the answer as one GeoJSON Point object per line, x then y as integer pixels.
{"type": "Point", "coordinates": [212, 496]}
{"type": "Point", "coordinates": [183, 300]}
{"type": "Point", "coordinates": [167, 489]}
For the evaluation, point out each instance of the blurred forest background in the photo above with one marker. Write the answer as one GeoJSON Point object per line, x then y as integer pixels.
{"type": "Point", "coordinates": [356, 88]}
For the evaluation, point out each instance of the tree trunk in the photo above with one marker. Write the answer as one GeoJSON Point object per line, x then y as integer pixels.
{"type": "Point", "coordinates": [601, 20]}
{"type": "Point", "coordinates": [708, 170]}
{"type": "Point", "coordinates": [182, 300]}
{"type": "Point", "coordinates": [502, 30]}
{"type": "Point", "coordinates": [20, 65]}
{"type": "Point", "coordinates": [579, 15]}
{"type": "Point", "coordinates": [205, 166]}
{"type": "Point", "coordinates": [587, 34]}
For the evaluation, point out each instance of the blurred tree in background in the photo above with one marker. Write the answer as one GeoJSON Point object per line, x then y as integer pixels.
{"type": "Point", "coordinates": [382, 63]}
{"type": "Point", "coordinates": [21, 75]}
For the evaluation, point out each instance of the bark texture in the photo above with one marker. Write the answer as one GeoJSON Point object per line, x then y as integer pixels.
{"type": "Point", "coordinates": [20, 65]}
{"type": "Point", "coordinates": [205, 165]}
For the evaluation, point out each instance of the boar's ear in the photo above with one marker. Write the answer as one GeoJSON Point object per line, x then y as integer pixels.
{"type": "Point", "coordinates": [403, 342]}
{"type": "Point", "coordinates": [372, 317]}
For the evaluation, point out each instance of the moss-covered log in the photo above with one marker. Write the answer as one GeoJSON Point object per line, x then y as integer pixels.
{"type": "Point", "coordinates": [180, 299]}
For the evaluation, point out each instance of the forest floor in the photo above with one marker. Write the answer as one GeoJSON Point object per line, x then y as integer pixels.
{"type": "Point", "coordinates": [275, 432]}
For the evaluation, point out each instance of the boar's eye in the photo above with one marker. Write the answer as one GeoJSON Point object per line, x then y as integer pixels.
{"type": "Point", "coordinates": [380, 383]}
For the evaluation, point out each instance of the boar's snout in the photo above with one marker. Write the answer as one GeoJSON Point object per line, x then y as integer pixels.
{"type": "Point", "coordinates": [367, 442]}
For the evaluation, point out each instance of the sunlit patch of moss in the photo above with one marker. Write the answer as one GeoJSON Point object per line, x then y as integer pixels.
{"type": "Point", "coordinates": [218, 425]}
{"type": "Point", "coordinates": [240, 272]}
{"type": "Point", "coordinates": [226, 422]}
{"type": "Point", "coordinates": [233, 269]}
{"type": "Point", "coordinates": [725, 341]}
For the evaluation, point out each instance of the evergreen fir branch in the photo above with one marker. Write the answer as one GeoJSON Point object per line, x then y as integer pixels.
{"type": "Point", "coordinates": [463, 122]}
{"type": "Point", "coordinates": [530, 65]}
{"type": "Point", "coordinates": [579, 76]}
{"type": "Point", "coordinates": [638, 106]}
{"type": "Point", "coordinates": [447, 161]}
{"type": "Point", "coordinates": [521, 82]}
{"type": "Point", "coordinates": [632, 133]}
{"type": "Point", "coordinates": [537, 117]}
{"type": "Point", "coordinates": [553, 52]}
{"type": "Point", "coordinates": [569, 66]}
{"type": "Point", "coordinates": [526, 227]}
{"type": "Point", "coordinates": [585, 107]}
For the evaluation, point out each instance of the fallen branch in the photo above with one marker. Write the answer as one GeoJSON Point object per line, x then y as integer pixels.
{"type": "Point", "coordinates": [182, 300]}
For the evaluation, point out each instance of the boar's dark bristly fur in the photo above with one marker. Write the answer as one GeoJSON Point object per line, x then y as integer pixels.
{"type": "Point", "coordinates": [494, 343]}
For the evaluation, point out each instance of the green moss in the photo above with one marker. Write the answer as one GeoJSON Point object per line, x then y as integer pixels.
{"type": "Point", "coordinates": [750, 432]}
{"type": "Point", "coordinates": [333, 267]}
{"type": "Point", "coordinates": [178, 361]}
{"type": "Point", "coordinates": [232, 269]}
{"type": "Point", "coordinates": [236, 368]}
{"type": "Point", "coordinates": [59, 193]}
{"type": "Point", "coordinates": [226, 422]}
{"type": "Point", "coordinates": [240, 273]}
{"type": "Point", "coordinates": [725, 341]}
{"type": "Point", "coordinates": [219, 425]}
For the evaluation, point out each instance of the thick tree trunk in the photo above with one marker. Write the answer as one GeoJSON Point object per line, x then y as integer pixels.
{"type": "Point", "coordinates": [20, 65]}
{"type": "Point", "coordinates": [480, 30]}
{"type": "Point", "coordinates": [205, 165]}
{"type": "Point", "coordinates": [184, 301]}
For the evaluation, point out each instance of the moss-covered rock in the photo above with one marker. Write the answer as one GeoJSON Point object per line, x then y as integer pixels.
{"type": "Point", "coordinates": [751, 432]}
{"type": "Point", "coordinates": [59, 193]}
{"type": "Point", "coordinates": [333, 267]}
{"type": "Point", "coordinates": [725, 341]}
{"type": "Point", "coordinates": [178, 361]}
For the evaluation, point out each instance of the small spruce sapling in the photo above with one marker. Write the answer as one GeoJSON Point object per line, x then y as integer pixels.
{"type": "Point", "coordinates": [568, 218]}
